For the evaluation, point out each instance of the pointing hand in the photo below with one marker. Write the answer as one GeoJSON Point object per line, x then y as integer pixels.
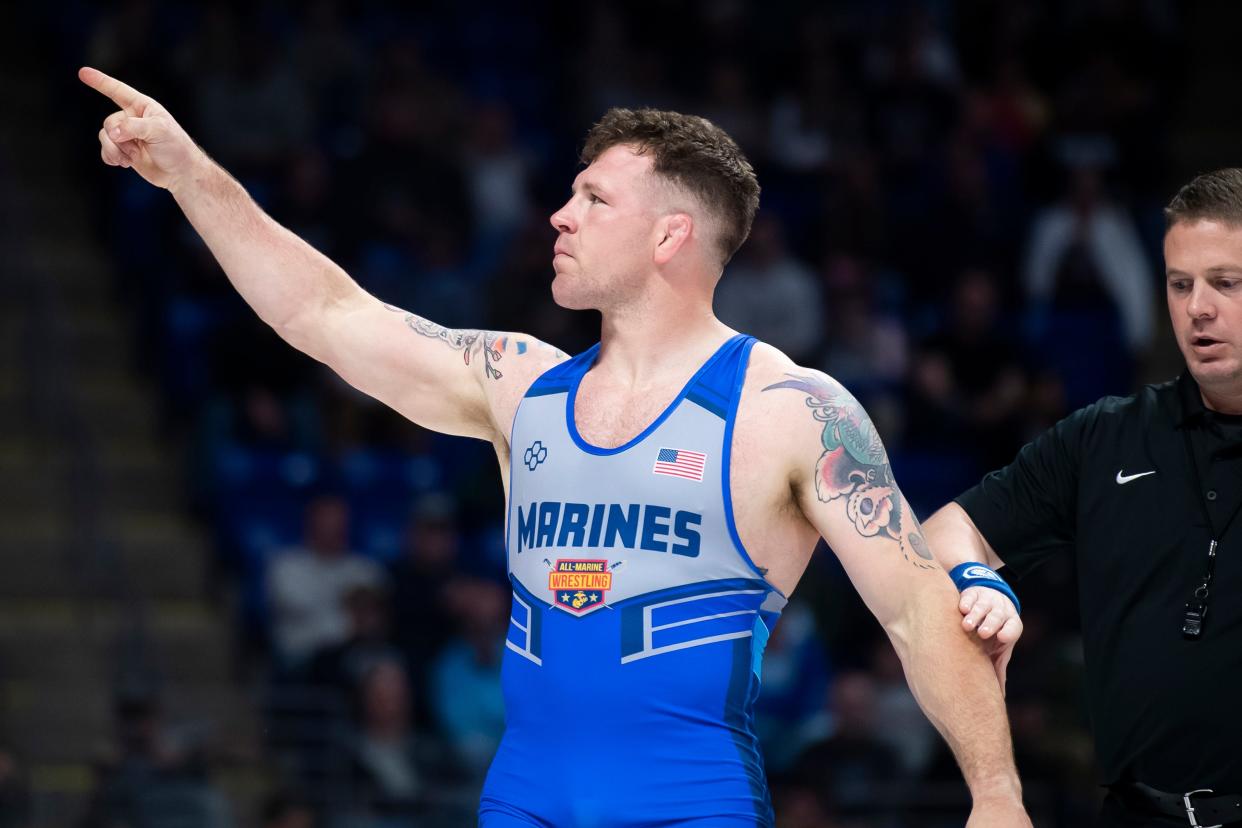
{"type": "Point", "coordinates": [142, 134]}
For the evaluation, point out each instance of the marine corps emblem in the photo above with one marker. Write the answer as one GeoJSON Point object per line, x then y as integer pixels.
{"type": "Point", "coordinates": [578, 586]}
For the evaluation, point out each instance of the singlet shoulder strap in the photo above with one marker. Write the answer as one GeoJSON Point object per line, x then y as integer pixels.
{"type": "Point", "coordinates": [561, 377]}
{"type": "Point", "coordinates": [716, 384]}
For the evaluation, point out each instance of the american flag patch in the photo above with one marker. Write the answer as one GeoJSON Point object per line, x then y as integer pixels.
{"type": "Point", "coordinates": [680, 463]}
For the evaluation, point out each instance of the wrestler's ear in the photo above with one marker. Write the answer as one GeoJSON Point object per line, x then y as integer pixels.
{"type": "Point", "coordinates": [673, 231]}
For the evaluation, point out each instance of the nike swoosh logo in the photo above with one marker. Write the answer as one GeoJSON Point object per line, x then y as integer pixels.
{"type": "Point", "coordinates": [1123, 479]}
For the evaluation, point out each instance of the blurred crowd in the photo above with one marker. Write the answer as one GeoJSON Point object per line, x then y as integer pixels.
{"type": "Point", "coordinates": [960, 220]}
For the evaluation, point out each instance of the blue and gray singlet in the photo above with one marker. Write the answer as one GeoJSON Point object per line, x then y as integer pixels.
{"type": "Point", "coordinates": [638, 622]}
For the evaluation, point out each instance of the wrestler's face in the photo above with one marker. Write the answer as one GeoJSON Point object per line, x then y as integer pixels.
{"type": "Point", "coordinates": [1203, 264]}
{"type": "Point", "coordinates": [606, 232]}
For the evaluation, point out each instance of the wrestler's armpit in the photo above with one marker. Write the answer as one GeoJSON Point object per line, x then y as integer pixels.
{"type": "Point", "coordinates": [493, 346]}
{"type": "Point", "coordinates": [854, 467]}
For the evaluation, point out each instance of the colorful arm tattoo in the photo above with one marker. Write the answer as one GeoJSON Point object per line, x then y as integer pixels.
{"type": "Point", "coordinates": [470, 342]}
{"type": "Point", "coordinates": [854, 466]}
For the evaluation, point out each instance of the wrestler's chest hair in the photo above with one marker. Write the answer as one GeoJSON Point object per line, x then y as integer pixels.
{"type": "Point", "coordinates": [610, 416]}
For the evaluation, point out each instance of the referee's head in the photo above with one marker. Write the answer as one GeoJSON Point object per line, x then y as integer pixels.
{"type": "Point", "coordinates": [1203, 268]}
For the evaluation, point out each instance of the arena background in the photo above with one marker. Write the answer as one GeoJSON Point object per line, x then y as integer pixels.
{"type": "Point", "coordinates": [235, 592]}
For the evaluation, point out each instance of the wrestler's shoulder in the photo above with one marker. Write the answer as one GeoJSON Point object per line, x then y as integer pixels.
{"type": "Point", "coordinates": [770, 368]}
{"type": "Point", "coordinates": [775, 431]}
{"type": "Point", "coordinates": [515, 362]}
{"type": "Point", "coordinates": [771, 410]}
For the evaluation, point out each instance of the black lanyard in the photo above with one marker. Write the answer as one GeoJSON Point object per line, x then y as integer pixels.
{"type": "Point", "coordinates": [1196, 608]}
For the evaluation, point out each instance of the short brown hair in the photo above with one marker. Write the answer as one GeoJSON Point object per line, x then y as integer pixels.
{"type": "Point", "coordinates": [1215, 196]}
{"type": "Point", "coordinates": [692, 152]}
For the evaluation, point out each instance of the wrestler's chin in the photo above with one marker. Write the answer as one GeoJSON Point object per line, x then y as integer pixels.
{"type": "Point", "coordinates": [565, 295]}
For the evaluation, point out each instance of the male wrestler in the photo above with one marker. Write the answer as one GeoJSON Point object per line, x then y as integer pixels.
{"type": "Point", "coordinates": [666, 487]}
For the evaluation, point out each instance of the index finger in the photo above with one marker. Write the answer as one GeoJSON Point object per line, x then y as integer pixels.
{"type": "Point", "coordinates": [121, 94]}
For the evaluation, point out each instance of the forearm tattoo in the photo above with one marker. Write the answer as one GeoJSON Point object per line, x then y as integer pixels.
{"type": "Point", "coordinates": [854, 467]}
{"type": "Point", "coordinates": [471, 343]}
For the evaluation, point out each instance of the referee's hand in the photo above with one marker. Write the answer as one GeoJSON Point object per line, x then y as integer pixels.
{"type": "Point", "coordinates": [993, 617]}
{"type": "Point", "coordinates": [142, 134]}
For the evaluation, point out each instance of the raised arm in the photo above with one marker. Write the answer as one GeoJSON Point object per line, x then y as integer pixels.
{"type": "Point", "coordinates": [456, 381]}
{"type": "Point", "coordinates": [845, 487]}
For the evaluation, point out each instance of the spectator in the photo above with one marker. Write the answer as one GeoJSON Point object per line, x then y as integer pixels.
{"type": "Point", "coordinates": [257, 89]}
{"type": "Point", "coordinates": [329, 56]}
{"type": "Point", "coordinates": [421, 578]}
{"type": "Point", "coordinates": [498, 174]}
{"type": "Point", "coordinates": [466, 695]}
{"type": "Point", "coordinates": [795, 681]}
{"type": "Point", "coordinates": [151, 777]}
{"type": "Point", "coordinates": [968, 381]}
{"type": "Point", "coordinates": [1085, 252]}
{"type": "Point", "coordinates": [730, 104]}
{"type": "Point", "coordinates": [800, 119]}
{"type": "Point", "coordinates": [769, 293]}
{"type": "Point", "coordinates": [853, 768]}
{"type": "Point", "coordinates": [866, 347]}
{"type": "Point", "coordinates": [368, 643]}
{"type": "Point", "coordinates": [305, 200]}
{"type": "Point", "coordinates": [258, 420]}
{"type": "Point", "coordinates": [400, 778]}
{"type": "Point", "coordinates": [308, 584]}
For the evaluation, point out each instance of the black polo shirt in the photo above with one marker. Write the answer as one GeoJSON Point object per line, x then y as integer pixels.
{"type": "Point", "coordinates": [1165, 711]}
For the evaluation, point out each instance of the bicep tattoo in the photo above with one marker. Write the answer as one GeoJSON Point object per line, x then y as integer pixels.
{"type": "Point", "coordinates": [854, 468]}
{"type": "Point", "coordinates": [472, 343]}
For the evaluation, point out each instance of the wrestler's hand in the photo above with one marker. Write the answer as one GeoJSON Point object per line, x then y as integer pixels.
{"type": "Point", "coordinates": [993, 617]}
{"type": "Point", "coordinates": [142, 134]}
{"type": "Point", "coordinates": [999, 812]}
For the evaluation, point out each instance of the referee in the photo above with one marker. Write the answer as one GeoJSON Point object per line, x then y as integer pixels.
{"type": "Point", "coordinates": [1145, 493]}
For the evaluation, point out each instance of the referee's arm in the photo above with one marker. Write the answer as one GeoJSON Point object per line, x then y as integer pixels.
{"type": "Point", "coordinates": [955, 540]}
{"type": "Point", "coordinates": [1017, 516]}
